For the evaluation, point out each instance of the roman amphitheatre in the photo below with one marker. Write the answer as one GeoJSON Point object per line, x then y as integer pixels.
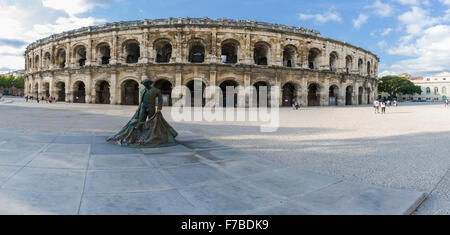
{"type": "Point", "coordinates": [105, 64]}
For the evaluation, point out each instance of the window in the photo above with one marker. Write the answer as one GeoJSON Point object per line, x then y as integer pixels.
{"type": "Point", "coordinates": [428, 90]}
{"type": "Point", "coordinates": [444, 90]}
{"type": "Point", "coordinates": [436, 91]}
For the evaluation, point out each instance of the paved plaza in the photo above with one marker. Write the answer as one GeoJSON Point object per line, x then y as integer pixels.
{"type": "Point", "coordinates": [330, 160]}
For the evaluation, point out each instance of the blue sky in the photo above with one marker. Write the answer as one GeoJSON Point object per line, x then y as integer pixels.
{"type": "Point", "coordinates": [408, 35]}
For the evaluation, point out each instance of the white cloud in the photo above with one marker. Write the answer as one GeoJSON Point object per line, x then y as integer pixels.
{"type": "Point", "coordinates": [382, 9]}
{"type": "Point", "coordinates": [322, 18]}
{"type": "Point", "coordinates": [416, 20]}
{"type": "Point", "coordinates": [72, 7]}
{"type": "Point", "coordinates": [362, 19]}
{"type": "Point", "coordinates": [431, 52]}
{"type": "Point", "coordinates": [382, 44]}
{"type": "Point", "coordinates": [28, 21]}
{"type": "Point", "coordinates": [386, 32]}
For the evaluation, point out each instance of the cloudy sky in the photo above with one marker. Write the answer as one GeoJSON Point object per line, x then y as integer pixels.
{"type": "Point", "coordinates": [408, 35]}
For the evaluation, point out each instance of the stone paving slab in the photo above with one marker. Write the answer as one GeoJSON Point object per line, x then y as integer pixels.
{"type": "Point", "coordinates": [60, 160]}
{"type": "Point", "coordinates": [13, 202]}
{"type": "Point", "coordinates": [198, 176]}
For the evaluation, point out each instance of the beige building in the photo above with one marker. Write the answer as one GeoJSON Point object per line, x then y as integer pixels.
{"type": "Point", "coordinates": [435, 88]}
{"type": "Point", "coordinates": [105, 64]}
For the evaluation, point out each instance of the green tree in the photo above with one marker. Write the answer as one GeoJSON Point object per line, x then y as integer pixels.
{"type": "Point", "coordinates": [395, 85]}
{"type": "Point", "coordinates": [19, 82]}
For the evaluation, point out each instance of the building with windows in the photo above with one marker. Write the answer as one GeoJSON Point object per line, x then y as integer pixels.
{"type": "Point", "coordinates": [105, 64]}
{"type": "Point", "coordinates": [435, 88]}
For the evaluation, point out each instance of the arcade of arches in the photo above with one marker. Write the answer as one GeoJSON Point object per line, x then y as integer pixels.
{"type": "Point", "coordinates": [102, 91]}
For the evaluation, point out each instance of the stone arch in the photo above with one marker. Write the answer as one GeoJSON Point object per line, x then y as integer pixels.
{"type": "Point", "coordinates": [223, 86]}
{"type": "Point", "coordinates": [61, 91]}
{"type": "Point", "coordinates": [36, 90]}
{"type": "Point", "coordinates": [129, 89]}
{"type": "Point", "coordinates": [348, 63]}
{"type": "Point", "coordinates": [360, 66]}
{"type": "Point", "coordinates": [334, 58]}
{"type": "Point", "coordinates": [289, 56]}
{"type": "Point", "coordinates": [79, 55]}
{"type": "Point", "coordinates": [258, 85]}
{"type": "Point", "coordinates": [368, 91]}
{"type": "Point", "coordinates": [360, 95]}
{"type": "Point", "coordinates": [193, 86]}
{"type": "Point", "coordinates": [166, 90]}
{"type": "Point", "coordinates": [60, 58]}
{"type": "Point", "coordinates": [47, 60]}
{"type": "Point", "coordinates": [102, 92]}
{"type": "Point", "coordinates": [261, 53]}
{"type": "Point", "coordinates": [349, 95]}
{"type": "Point", "coordinates": [230, 51]}
{"type": "Point", "coordinates": [36, 62]}
{"type": "Point", "coordinates": [314, 94]}
{"type": "Point", "coordinates": [333, 94]}
{"type": "Point", "coordinates": [46, 90]}
{"type": "Point", "coordinates": [368, 69]}
{"type": "Point", "coordinates": [163, 50]}
{"type": "Point", "coordinates": [289, 93]}
{"type": "Point", "coordinates": [131, 51]}
{"type": "Point", "coordinates": [196, 50]}
{"type": "Point", "coordinates": [314, 58]}
{"type": "Point", "coordinates": [103, 53]}
{"type": "Point", "coordinates": [79, 92]}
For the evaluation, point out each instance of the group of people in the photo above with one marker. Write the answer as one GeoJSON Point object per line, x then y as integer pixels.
{"type": "Point", "coordinates": [380, 105]}
{"type": "Point", "coordinates": [50, 99]}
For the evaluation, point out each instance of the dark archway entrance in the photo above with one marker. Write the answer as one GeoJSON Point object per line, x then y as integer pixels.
{"type": "Point", "coordinates": [61, 89]}
{"type": "Point", "coordinates": [130, 93]}
{"type": "Point", "coordinates": [102, 95]}
{"type": "Point", "coordinates": [334, 95]}
{"type": "Point", "coordinates": [288, 94]}
{"type": "Point", "coordinates": [348, 95]}
{"type": "Point", "coordinates": [79, 92]}
{"type": "Point", "coordinates": [360, 95]}
{"type": "Point", "coordinates": [259, 86]}
{"type": "Point", "coordinates": [194, 88]}
{"type": "Point", "coordinates": [232, 85]}
{"type": "Point", "coordinates": [166, 91]}
{"type": "Point", "coordinates": [313, 95]}
{"type": "Point", "coordinates": [46, 92]}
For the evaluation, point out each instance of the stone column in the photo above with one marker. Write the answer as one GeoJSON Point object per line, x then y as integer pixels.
{"type": "Point", "coordinates": [144, 48]}
{"type": "Point", "coordinates": [89, 54]}
{"type": "Point", "coordinates": [52, 90]}
{"type": "Point", "coordinates": [68, 56]}
{"type": "Point", "coordinates": [113, 49]}
{"type": "Point", "coordinates": [303, 93]}
{"type": "Point", "coordinates": [115, 91]}
{"type": "Point", "coordinates": [89, 96]}
{"type": "Point", "coordinates": [325, 94]}
{"type": "Point", "coordinates": [69, 88]}
{"type": "Point", "coordinates": [247, 50]}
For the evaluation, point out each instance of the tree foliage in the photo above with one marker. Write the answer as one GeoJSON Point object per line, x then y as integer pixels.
{"type": "Point", "coordinates": [11, 81]}
{"type": "Point", "coordinates": [395, 85]}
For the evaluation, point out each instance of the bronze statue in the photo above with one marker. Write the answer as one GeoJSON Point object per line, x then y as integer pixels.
{"type": "Point", "coordinates": [147, 128]}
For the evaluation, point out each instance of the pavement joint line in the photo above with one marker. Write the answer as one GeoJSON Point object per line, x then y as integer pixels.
{"type": "Point", "coordinates": [85, 179]}
{"type": "Point", "coordinates": [440, 181]}
{"type": "Point", "coordinates": [32, 157]}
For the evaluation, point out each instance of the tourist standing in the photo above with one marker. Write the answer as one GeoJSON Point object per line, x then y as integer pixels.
{"type": "Point", "coordinates": [26, 99]}
{"type": "Point", "coordinates": [446, 103]}
{"type": "Point", "coordinates": [383, 107]}
{"type": "Point", "coordinates": [293, 104]}
{"type": "Point", "coordinates": [297, 105]}
{"type": "Point", "coordinates": [376, 105]}
{"type": "Point", "coordinates": [37, 99]}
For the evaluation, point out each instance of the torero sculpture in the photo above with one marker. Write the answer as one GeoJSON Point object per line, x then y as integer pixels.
{"type": "Point", "coordinates": [147, 128]}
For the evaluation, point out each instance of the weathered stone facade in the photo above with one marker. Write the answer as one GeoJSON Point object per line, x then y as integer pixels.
{"type": "Point", "coordinates": [105, 64]}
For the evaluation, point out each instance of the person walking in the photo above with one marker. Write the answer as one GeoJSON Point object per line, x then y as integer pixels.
{"type": "Point", "coordinates": [297, 105]}
{"type": "Point", "coordinates": [383, 107]}
{"type": "Point", "coordinates": [37, 99]}
{"type": "Point", "coordinates": [293, 104]}
{"type": "Point", "coordinates": [446, 103]}
{"type": "Point", "coordinates": [26, 99]}
{"type": "Point", "coordinates": [376, 105]}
